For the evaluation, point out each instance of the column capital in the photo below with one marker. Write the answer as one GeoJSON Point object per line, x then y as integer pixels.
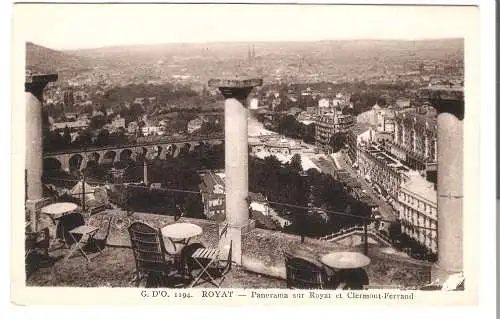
{"type": "Point", "coordinates": [35, 83]}
{"type": "Point", "coordinates": [238, 88]}
{"type": "Point", "coordinates": [445, 99]}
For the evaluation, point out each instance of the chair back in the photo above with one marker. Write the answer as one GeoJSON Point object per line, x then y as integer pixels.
{"type": "Point", "coordinates": [304, 273]}
{"type": "Point", "coordinates": [147, 247]}
{"type": "Point", "coordinates": [67, 223]}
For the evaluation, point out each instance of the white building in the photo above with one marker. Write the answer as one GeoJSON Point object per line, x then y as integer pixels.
{"type": "Point", "coordinates": [150, 130]}
{"type": "Point", "coordinates": [254, 104]}
{"type": "Point", "coordinates": [194, 125]}
{"type": "Point", "coordinates": [383, 118]}
{"type": "Point", "coordinates": [418, 207]}
{"type": "Point", "coordinates": [75, 125]}
{"type": "Point", "coordinates": [118, 122]}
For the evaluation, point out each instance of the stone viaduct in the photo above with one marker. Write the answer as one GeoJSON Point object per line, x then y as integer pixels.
{"type": "Point", "coordinates": [78, 158]}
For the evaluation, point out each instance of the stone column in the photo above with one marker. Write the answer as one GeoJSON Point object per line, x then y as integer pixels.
{"type": "Point", "coordinates": [235, 92]}
{"type": "Point", "coordinates": [449, 103]}
{"type": "Point", "coordinates": [33, 88]}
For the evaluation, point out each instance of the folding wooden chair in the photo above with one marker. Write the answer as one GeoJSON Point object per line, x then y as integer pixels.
{"type": "Point", "coordinates": [213, 264]}
{"type": "Point", "coordinates": [83, 235]}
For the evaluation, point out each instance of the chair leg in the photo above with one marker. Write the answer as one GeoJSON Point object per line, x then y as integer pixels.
{"type": "Point", "coordinates": [135, 278]}
{"type": "Point", "coordinates": [204, 270]}
{"type": "Point", "coordinates": [71, 251]}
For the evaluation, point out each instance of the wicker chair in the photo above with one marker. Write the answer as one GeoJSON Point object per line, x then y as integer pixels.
{"type": "Point", "coordinates": [36, 249]}
{"type": "Point", "coordinates": [305, 273]}
{"type": "Point", "coordinates": [149, 253]}
{"type": "Point", "coordinates": [37, 241]}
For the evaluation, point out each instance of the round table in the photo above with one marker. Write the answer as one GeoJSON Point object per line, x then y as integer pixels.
{"type": "Point", "coordinates": [57, 210]}
{"type": "Point", "coordinates": [345, 260]}
{"type": "Point", "coordinates": [176, 236]}
{"type": "Point", "coordinates": [347, 267]}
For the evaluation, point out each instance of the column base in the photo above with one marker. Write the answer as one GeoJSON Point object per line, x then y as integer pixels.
{"type": "Point", "coordinates": [441, 274]}
{"type": "Point", "coordinates": [232, 235]}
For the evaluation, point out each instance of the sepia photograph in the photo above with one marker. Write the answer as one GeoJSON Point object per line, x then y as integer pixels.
{"type": "Point", "coordinates": [289, 151]}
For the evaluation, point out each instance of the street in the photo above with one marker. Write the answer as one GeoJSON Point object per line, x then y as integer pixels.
{"type": "Point", "coordinates": [328, 166]}
{"type": "Point", "coordinates": [386, 210]}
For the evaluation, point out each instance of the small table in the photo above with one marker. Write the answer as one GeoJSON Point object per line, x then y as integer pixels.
{"type": "Point", "coordinates": [56, 211]}
{"type": "Point", "coordinates": [346, 266]}
{"type": "Point", "coordinates": [176, 237]}
{"type": "Point", "coordinates": [179, 233]}
{"type": "Point", "coordinates": [345, 260]}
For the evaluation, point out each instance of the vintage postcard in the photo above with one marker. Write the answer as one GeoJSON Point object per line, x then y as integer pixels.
{"type": "Point", "coordinates": [246, 154]}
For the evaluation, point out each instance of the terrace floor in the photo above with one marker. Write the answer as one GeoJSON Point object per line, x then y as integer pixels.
{"type": "Point", "coordinates": [115, 268]}
{"type": "Point", "coordinates": [263, 264]}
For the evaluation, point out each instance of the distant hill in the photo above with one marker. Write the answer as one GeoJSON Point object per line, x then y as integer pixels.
{"type": "Point", "coordinates": [339, 49]}
{"type": "Point", "coordinates": [42, 59]}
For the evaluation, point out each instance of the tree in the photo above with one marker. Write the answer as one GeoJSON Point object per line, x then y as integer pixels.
{"type": "Point", "coordinates": [53, 141]}
{"type": "Point", "coordinates": [84, 139]}
{"type": "Point", "coordinates": [95, 172]}
{"type": "Point", "coordinates": [97, 122]}
{"type": "Point", "coordinates": [102, 138]}
{"type": "Point", "coordinates": [296, 163]}
{"type": "Point", "coordinates": [66, 137]}
{"type": "Point", "coordinates": [337, 141]}
{"type": "Point", "coordinates": [288, 126]}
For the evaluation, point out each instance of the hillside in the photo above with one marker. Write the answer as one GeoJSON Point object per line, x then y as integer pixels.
{"type": "Point", "coordinates": [42, 59]}
{"type": "Point", "coordinates": [343, 49]}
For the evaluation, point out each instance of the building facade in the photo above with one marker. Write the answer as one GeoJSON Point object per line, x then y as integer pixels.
{"type": "Point", "coordinates": [329, 124]}
{"type": "Point", "coordinates": [383, 119]}
{"type": "Point", "coordinates": [415, 140]}
{"type": "Point", "coordinates": [359, 135]}
{"type": "Point", "coordinates": [383, 170]}
{"type": "Point", "coordinates": [417, 201]}
{"type": "Point", "coordinates": [69, 100]}
{"type": "Point", "coordinates": [213, 195]}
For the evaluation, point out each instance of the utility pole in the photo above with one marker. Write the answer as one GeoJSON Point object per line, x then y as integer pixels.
{"type": "Point", "coordinates": [83, 191]}
{"type": "Point", "coordinates": [83, 183]}
{"type": "Point", "coordinates": [365, 230]}
{"type": "Point", "coordinates": [145, 170]}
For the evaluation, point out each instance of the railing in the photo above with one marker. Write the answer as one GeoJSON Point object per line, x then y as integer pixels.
{"type": "Point", "coordinates": [349, 231]}
{"type": "Point", "coordinates": [341, 232]}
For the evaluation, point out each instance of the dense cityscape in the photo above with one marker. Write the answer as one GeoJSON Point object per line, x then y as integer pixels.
{"type": "Point", "coordinates": [339, 137]}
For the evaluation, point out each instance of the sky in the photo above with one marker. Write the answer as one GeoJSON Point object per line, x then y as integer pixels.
{"type": "Point", "coordinates": [73, 26]}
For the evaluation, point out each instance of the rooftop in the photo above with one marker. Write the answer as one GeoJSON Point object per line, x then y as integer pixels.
{"type": "Point", "coordinates": [420, 186]}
